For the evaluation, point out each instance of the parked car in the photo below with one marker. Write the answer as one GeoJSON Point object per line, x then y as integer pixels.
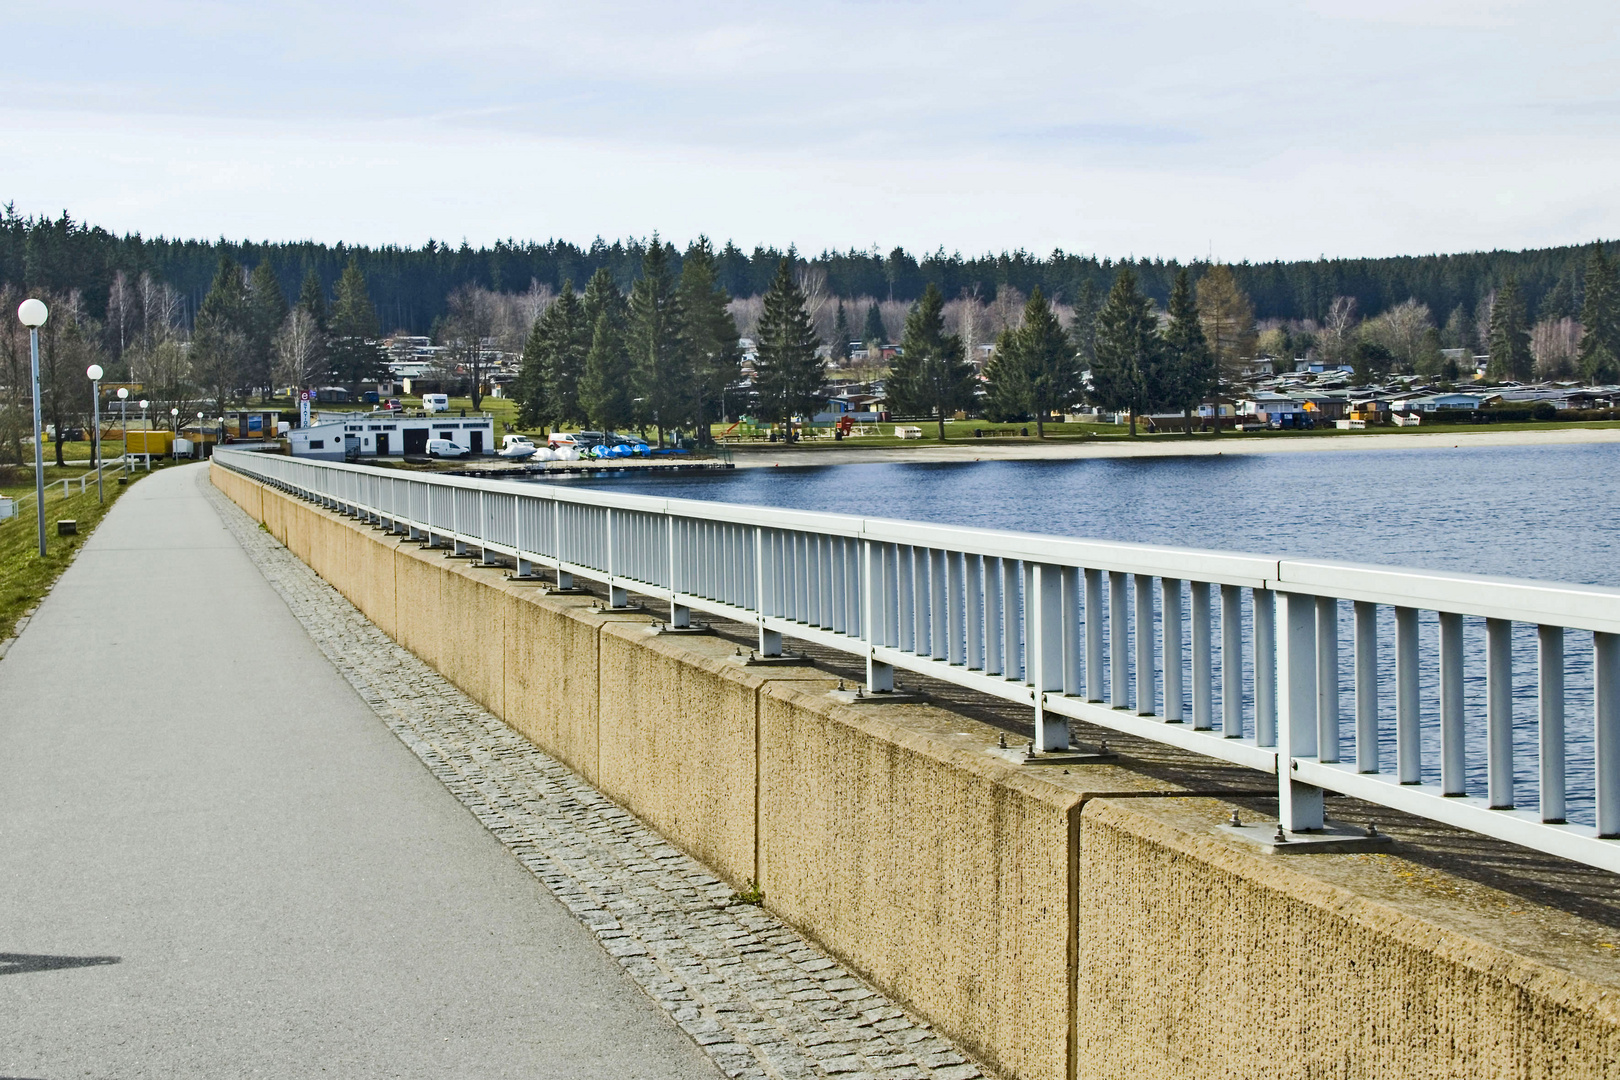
{"type": "Point", "coordinates": [444, 448]}
{"type": "Point", "coordinates": [578, 440]}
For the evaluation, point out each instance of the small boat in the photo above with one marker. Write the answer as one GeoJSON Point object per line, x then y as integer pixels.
{"type": "Point", "coordinates": [516, 448]}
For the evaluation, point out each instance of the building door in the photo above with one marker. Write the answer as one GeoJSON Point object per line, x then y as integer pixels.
{"type": "Point", "coordinates": [382, 445]}
{"type": "Point", "coordinates": [416, 440]}
{"type": "Point", "coordinates": [477, 441]}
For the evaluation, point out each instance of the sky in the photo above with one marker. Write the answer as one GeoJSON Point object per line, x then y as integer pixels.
{"type": "Point", "coordinates": [1238, 130]}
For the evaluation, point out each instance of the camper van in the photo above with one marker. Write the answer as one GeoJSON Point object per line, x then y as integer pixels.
{"type": "Point", "coordinates": [436, 403]}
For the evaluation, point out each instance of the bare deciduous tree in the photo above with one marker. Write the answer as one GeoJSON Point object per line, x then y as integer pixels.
{"type": "Point", "coordinates": [1556, 343]}
{"type": "Point", "coordinates": [297, 350]}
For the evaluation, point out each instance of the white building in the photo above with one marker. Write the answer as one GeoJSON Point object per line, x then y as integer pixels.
{"type": "Point", "coordinates": [340, 436]}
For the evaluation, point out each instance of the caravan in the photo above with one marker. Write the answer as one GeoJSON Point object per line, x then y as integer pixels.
{"type": "Point", "coordinates": [435, 403]}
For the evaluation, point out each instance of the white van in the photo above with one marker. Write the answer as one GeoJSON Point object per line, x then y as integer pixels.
{"type": "Point", "coordinates": [445, 448]}
{"type": "Point", "coordinates": [435, 403]}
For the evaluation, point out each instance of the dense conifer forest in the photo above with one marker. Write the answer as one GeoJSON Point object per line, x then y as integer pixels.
{"type": "Point", "coordinates": [411, 286]}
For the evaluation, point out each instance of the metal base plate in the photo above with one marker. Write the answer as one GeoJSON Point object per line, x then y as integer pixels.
{"type": "Point", "coordinates": [1334, 837]}
{"type": "Point", "coordinates": [532, 579]}
{"type": "Point", "coordinates": [1075, 755]}
{"type": "Point", "coordinates": [695, 628]}
{"type": "Point", "coordinates": [754, 659]}
{"type": "Point", "coordinates": [859, 696]}
{"type": "Point", "coordinates": [572, 590]}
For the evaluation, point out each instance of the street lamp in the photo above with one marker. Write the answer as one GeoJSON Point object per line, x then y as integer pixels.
{"type": "Point", "coordinates": [174, 422]}
{"type": "Point", "coordinates": [33, 314]}
{"type": "Point", "coordinates": [95, 373]}
{"type": "Point", "coordinates": [199, 437]}
{"type": "Point", "coordinates": [146, 436]}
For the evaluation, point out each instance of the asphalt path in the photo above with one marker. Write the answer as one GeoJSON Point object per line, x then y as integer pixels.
{"type": "Point", "coordinates": [215, 860]}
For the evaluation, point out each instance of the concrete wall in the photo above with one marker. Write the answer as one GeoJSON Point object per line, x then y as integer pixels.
{"type": "Point", "coordinates": [1090, 923]}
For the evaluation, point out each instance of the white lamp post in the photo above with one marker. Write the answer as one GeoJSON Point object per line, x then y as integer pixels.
{"type": "Point", "coordinates": [146, 436]}
{"type": "Point", "coordinates": [123, 419]}
{"type": "Point", "coordinates": [33, 314]}
{"type": "Point", "coordinates": [199, 436]}
{"type": "Point", "coordinates": [95, 373]}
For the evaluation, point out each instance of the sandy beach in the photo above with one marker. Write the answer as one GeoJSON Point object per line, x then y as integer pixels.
{"type": "Point", "coordinates": [752, 457]}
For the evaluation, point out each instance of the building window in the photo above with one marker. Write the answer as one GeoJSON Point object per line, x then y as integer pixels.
{"type": "Point", "coordinates": [317, 444]}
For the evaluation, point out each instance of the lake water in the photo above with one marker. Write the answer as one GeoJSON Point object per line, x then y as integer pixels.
{"type": "Point", "coordinates": [1546, 512]}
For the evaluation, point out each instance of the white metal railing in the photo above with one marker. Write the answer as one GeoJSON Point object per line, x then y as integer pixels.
{"type": "Point", "coordinates": [1235, 657]}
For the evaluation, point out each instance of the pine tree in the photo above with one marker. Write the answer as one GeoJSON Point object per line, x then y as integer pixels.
{"type": "Point", "coordinates": [553, 361]}
{"type": "Point", "coordinates": [840, 342]}
{"type": "Point", "coordinates": [219, 340]}
{"type": "Point", "coordinates": [312, 298]}
{"type": "Point", "coordinates": [1511, 359]}
{"type": "Point", "coordinates": [1051, 371]}
{"type": "Point", "coordinates": [353, 352]}
{"type": "Point", "coordinates": [931, 375]}
{"type": "Point", "coordinates": [265, 311]}
{"type": "Point", "coordinates": [874, 336]}
{"type": "Point", "coordinates": [710, 333]}
{"type": "Point", "coordinates": [1188, 372]}
{"type": "Point", "coordinates": [1128, 346]}
{"type": "Point", "coordinates": [1228, 318]}
{"type": "Point", "coordinates": [1600, 321]}
{"type": "Point", "coordinates": [531, 388]}
{"type": "Point", "coordinates": [605, 388]}
{"type": "Point", "coordinates": [787, 374]}
{"type": "Point", "coordinates": [1559, 302]}
{"type": "Point", "coordinates": [661, 371]}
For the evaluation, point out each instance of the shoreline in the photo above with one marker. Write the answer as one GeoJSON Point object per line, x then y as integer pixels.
{"type": "Point", "coordinates": [1163, 446]}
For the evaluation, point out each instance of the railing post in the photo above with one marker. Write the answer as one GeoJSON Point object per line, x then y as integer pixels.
{"type": "Point", "coordinates": [1300, 804]}
{"type": "Point", "coordinates": [1550, 720]}
{"type": "Point", "coordinates": [1045, 634]}
{"type": "Point", "coordinates": [994, 664]}
{"type": "Point", "coordinates": [1073, 632]}
{"type": "Point", "coordinates": [770, 641]}
{"type": "Point", "coordinates": [618, 596]}
{"type": "Point", "coordinates": [1146, 676]}
{"type": "Point", "coordinates": [973, 624]}
{"type": "Point", "coordinates": [680, 616]}
{"type": "Point", "coordinates": [879, 677]}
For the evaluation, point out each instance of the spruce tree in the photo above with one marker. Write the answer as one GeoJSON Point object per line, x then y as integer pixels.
{"type": "Point", "coordinates": [1188, 370]}
{"type": "Point", "coordinates": [931, 375]}
{"type": "Point", "coordinates": [874, 336]}
{"type": "Point", "coordinates": [354, 355]}
{"type": "Point", "coordinates": [605, 388]}
{"type": "Point", "coordinates": [312, 298]}
{"type": "Point", "coordinates": [661, 371]}
{"type": "Point", "coordinates": [553, 361]}
{"type": "Point", "coordinates": [530, 388]}
{"type": "Point", "coordinates": [1600, 321]}
{"type": "Point", "coordinates": [840, 342]}
{"type": "Point", "coordinates": [1051, 370]}
{"type": "Point", "coordinates": [710, 333]}
{"type": "Point", "coordinates": [787, 373]}
{"type": "Point", "coordinates": [266, 310]}
{"type": "Point", "coordinates": [1006, 384]}
{"type": "Point", "coordinates": [1511, 359]}
{"type": "Point", "coordinates": [1085, 321]}
{"type": "Point", "coordinates": [1128, 346]}
{"type": "Point", "coordinates": [219, 342]}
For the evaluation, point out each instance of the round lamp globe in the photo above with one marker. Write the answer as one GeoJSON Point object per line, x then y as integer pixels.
{"type": "Point", "coordinates": [33, 313]}
{"type": "Point", "coordinates": [94, 371]}
{"type": "Point", "coordinates": [123, 392]}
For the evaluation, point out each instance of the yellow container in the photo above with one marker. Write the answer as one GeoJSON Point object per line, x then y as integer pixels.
{"type": "Point", "coordinates": [149, 442]}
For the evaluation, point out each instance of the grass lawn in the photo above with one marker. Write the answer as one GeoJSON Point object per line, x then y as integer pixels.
{"type": "Point", "coordinates": [24, 576]}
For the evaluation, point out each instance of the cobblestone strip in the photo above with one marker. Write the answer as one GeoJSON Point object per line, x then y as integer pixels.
{"type": "Point", "coordinates": [760, 999]}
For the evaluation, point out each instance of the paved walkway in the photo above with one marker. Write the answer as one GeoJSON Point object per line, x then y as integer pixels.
{"type": "Point", "coordinates": [215, 861]}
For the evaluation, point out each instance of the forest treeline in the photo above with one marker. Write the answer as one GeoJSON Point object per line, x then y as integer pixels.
{"type": "Point", "coordinates": [410, 287]}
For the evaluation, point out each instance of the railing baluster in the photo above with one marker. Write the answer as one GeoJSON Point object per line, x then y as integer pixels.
{"type": "Point", "coordinates": [1011, 620]}
{"type": "Point", "coordinates": [906, 589]}
{"type": "Point", "coordinates": [1550, 720]}
{"type": "Point", "coordinates": [1327, 679]}
{"type": "Point", "coordinates": [1499, 713]}
{"type": "Point", "coordinates": [1453, 733]}
{"type": "Point", "coordinates": [994, 655]}
{"type": "Point", "coordinates": [1146, 682]}
{"type": "Point", "coordinates": [1073, 631]}
{"type": "Point", "coordinates": [1203, 679]}
{"type": "Point", "coordinates": [938, 607]}
{"type": "Point", "coordinates": [1366, 647]}
{"type": "Point", "coordinates": [1265, 667]}
{"type": "Point", "coordinates": [1606, 731]}
{"type": "Point", "coordinates": [1170, 637]}
{"type": "Point", "coordinates": [1232, 661]}
{"type": "Point", "coordinates": [955, 600]}
{"type": "Point", "coordinates": [973, 619]}
{"type": "Point", "coordinates": [1408, 722]}
{"type": "Point", "coordinates": [1096, 623]}
{"type": "Point", "coordinates": [921, 599]}
{"type": "Point", "coordinates": [1119, 621]}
